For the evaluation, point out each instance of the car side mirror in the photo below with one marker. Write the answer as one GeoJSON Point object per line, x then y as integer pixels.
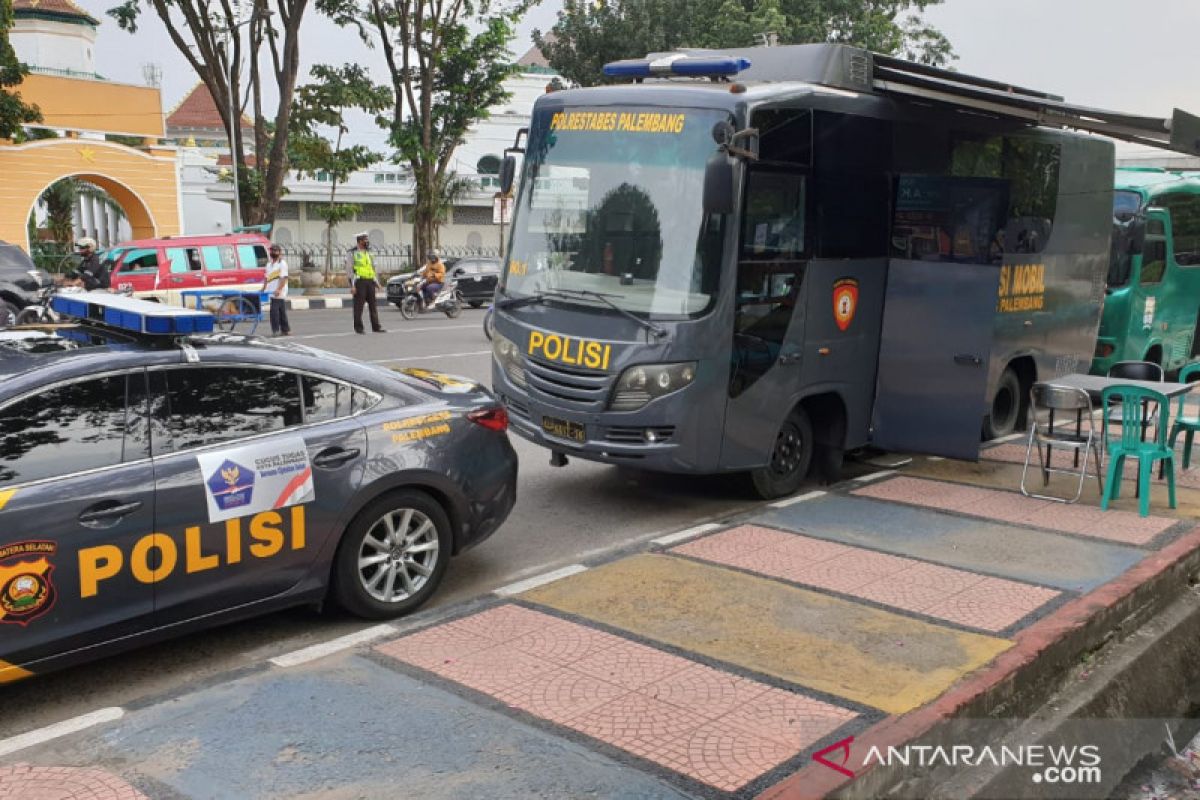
{"type": "Point", "coordinates": [718, 185]}
{"type": "Point", "coordinates": [508, 173]}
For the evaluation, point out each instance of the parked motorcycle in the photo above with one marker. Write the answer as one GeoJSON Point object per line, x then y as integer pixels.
{"type": "Point", "coordinates": [40, 312]}
{"type": "Point", "coordinates": [448, 300]}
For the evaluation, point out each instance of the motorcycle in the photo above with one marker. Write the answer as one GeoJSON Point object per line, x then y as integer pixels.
{"type": "Point", "coordinates": [448, 300]}
{"type": "Point", "coordinates": [41, 312]}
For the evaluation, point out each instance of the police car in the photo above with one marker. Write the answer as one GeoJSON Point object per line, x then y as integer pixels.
{"type": "Point", "coordinates": [157, 478]}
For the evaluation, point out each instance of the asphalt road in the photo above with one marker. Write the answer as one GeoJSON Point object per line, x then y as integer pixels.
{"type": "Point", "coordinates": [562, 515]}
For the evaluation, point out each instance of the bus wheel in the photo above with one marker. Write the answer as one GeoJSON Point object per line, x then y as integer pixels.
{"type": "Point", "coordinates": [1006, 406]}
{"type": "Point", "coordinates": [790, 458]}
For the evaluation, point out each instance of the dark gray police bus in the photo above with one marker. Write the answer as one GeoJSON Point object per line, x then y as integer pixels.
{"type": "Point", "coordinates": [755, 260]}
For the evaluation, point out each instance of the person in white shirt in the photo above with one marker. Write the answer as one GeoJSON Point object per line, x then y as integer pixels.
{"type": "Point", "coordinates": [276, 284]}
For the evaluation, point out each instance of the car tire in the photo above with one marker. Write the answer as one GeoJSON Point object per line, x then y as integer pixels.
{"type": "Point", "coordinates": [8, 314]}
{"type": "Point", "coordinates": [417, 521]}
{"type": "Point", "coordinates": [791, 456]}
{"type": "Point", "coordinates": [1005, 408]}
{"type": "Point", "coordinates": [476, 304]}
{"type": "Point", "coordinates": [408, 307]}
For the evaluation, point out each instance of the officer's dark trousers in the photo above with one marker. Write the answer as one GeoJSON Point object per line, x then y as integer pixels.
{"type": "Point", "coordinates": [364, 292]}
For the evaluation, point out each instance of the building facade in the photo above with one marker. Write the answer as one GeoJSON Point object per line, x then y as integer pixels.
{"type": "Point", "coordinates": [385, 193]}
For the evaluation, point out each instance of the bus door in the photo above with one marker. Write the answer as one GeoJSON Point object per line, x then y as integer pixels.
{"type": "Point", "coordinates": [768, 327]}
{"type": "Point", "coordinates": [933, 360]}
{"type": "Point", "coordinates": [1149, 291]}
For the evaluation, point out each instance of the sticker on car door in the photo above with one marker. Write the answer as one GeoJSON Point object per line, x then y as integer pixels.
{"type": "Point", "coordinates": [256, 477]}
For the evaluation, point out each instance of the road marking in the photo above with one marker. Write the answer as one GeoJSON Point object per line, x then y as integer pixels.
{"type": "Point", "coordinates": [427, 358]}
{"type": "Point", "coordinates": [1011, 437]}
{"type": "Point", "coordinates": [540, 580]}
{"type": "Point", "coordinates": [312, 653]}
{"type": "Point", "coordinates": [934, 458]}
{"type": "Point", "coordinates": [404, 330]}
{"type": "Point", "coordinates": [679, 536]}
{"type": "Point", "coordinates": [791, 501]}
{"type": "Point", "coordinates": [64, 728]}
{"type": "Point", "coordinates": [874, 476]}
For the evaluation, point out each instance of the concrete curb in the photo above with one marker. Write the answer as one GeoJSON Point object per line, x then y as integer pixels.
{"type": "Point", "coordinates": [329, 301]}
{"type": "Point", "coordinates": [1020, 679]}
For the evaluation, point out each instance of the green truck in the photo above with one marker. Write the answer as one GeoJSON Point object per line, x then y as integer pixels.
{"type": "Point", "coordinates": [1152, 303]}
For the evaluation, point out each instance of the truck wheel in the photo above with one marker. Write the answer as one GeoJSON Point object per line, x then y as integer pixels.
{"type": "Point", "coordinates": [393, 556]}
{"type": "Point", "coordinates": [1006, 406]}
{"type": "Point", "coordinates": [8, 314]}
{"type": "Point", "coordinates": [790, 458]}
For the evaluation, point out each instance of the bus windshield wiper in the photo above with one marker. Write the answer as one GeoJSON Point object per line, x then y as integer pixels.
{"type": "Point", "coordinates": [517, 302]}
{"type": "Point", "coordinates": [605, 298]}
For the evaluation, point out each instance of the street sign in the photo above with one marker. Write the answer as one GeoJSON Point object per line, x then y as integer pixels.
{"type": "Point", "coordinates": [501, 209]}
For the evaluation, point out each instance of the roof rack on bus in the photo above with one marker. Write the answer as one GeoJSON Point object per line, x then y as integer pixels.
{"type": "Point", "coordinates": [131, 314]}
{"type": "Point", "coordinates": [853, 69]}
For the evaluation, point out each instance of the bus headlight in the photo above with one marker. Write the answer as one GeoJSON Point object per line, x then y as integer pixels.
{"type": "Point", "coordinates": [638, 385]}
{"type": "Point", "coordinates": [510, 359]}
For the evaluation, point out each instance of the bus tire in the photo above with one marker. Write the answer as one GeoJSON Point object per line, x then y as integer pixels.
{"type": "Point", "coordinates": [790, 458]}
{"type": "Point", "coordinates": [1005, 407]}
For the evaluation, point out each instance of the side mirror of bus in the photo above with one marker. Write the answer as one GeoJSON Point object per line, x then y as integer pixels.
{"type": "Point", "coordinates": [718, 185]}
{"type": "Point", "coordinates": [1137, 235]}
{"type": "Point", "coordinates": [508, 173]}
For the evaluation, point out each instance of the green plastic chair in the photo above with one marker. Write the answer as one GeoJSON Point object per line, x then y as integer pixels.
{"type": "Point", "coordinates": [1133, 403]}
{"type": "Point", "coordinates": [1183, 423]}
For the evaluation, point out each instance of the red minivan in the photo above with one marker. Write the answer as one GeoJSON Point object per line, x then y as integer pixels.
{"type": "Point", "coordinates": [159, 269]}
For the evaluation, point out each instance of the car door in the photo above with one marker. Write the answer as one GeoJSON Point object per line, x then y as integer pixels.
{"type": "Point", "coordinates": [78, 554]}
{"type": "Point", "coordinates": [186, 270]}
{"type": "Point", "coordinates": [248, 491]}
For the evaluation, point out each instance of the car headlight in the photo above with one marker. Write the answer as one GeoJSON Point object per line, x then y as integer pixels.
{"type": "Point", "coordinates": [638, 385]}
{"type": "Point", "coordinates": [510, 359]}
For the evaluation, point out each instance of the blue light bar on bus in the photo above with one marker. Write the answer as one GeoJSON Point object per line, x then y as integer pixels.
{"type": "Point", "coordinates": [677, 64]}
{"type": "Point", "coordinates": [126, 313]}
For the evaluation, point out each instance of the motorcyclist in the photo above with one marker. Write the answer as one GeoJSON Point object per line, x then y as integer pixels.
{"type": "Point", "coordinates": [92, 271]}
{"type": "Point", "coordinates": [434, 276]}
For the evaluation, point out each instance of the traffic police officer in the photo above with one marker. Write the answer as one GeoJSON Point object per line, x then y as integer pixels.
{"type": "Point", "coordinates": [360, 270]}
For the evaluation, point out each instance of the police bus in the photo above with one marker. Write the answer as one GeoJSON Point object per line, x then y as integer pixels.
{"type": "Point", "coordinates": [1152, 304]}
{"type": "Point", "coordinates": [758, 259]}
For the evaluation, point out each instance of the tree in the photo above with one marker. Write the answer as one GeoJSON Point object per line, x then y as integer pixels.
{"type": "Point", "coordinates": [200, 30]}
{"type": "Point", "coordinates": [14, 112]}
{"type": "Point", "coordinates": [447, 60]}
{"type": "Point", "coordinates": [588, 35]}
{"type": "Point", "coordinates": [321, 105]}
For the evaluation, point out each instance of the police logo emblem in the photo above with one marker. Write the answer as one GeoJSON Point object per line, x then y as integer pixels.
{"type": "Point", "coordinates": [231, 486]}
{"type": "Point", "coordinates": [26, 590]}
{"type": "Point", "coordinates": [845, 302]}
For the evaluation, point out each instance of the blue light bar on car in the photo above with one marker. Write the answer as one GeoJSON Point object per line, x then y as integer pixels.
{"type": "Point", "coordinates": [127, 313]}
{"type": "Point", "coordinates": [678, 64]}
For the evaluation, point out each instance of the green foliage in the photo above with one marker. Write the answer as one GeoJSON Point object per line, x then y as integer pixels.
{"type": "Point", "coordinates": [447, 64]}
{"type": "Point", "coordinates": [128, 141]}
{"type": "Point", "coordinates": [587, 34]}
{"type": "Point", "coordinates": [14, 112]}
{"type": "Point", "coordinates": [323, 104]}
{"type": "Point", "coordinates": [257, 68]}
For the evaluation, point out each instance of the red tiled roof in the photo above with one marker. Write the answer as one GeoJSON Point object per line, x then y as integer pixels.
{"type": "Point", "coordinates": [225, 160]}
{"type": "Point", "coordinates": [198, 110]}
{"type": "Point", "coordinates": [533, 56]}
{"type": "Point", "coordinates": [59, 8]}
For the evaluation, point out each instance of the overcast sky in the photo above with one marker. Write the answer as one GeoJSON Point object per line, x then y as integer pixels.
{"type": "Point", "coordinates": [1137, 56]}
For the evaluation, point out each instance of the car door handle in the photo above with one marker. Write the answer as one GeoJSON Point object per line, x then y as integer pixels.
{"type": "Point", "coordinates": [968, 360]}
{"type": "Point", "coordinates": [334, 457]}
{"type": "Point", "coordinates": [103, 512]}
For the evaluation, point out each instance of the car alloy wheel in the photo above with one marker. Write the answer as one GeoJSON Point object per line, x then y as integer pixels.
{"type": "Point", "coordinates": [398, 555]}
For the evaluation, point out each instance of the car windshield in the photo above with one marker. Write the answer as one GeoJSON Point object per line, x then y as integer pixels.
{"type": "Point", "coordinates": [611, 202]}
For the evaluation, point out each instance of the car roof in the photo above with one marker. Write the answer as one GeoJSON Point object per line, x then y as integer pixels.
{"type": "Point", "coordinates": [32, 356]}
{"type": "Point", "coordinates": [198, 240]}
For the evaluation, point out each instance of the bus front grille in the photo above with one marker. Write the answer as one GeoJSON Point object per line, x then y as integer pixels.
{"type": "Point", "coordinates": [569, 387]}
{"type": "Point", "coordinates": [640, 435]}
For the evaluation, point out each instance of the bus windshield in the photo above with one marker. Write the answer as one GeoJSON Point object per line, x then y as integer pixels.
{"type": "Point", "coordinates": [612, 203]}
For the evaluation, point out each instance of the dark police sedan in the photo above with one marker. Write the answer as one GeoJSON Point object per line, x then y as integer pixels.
{"type": "Point", "coordinates": [153, 484]}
